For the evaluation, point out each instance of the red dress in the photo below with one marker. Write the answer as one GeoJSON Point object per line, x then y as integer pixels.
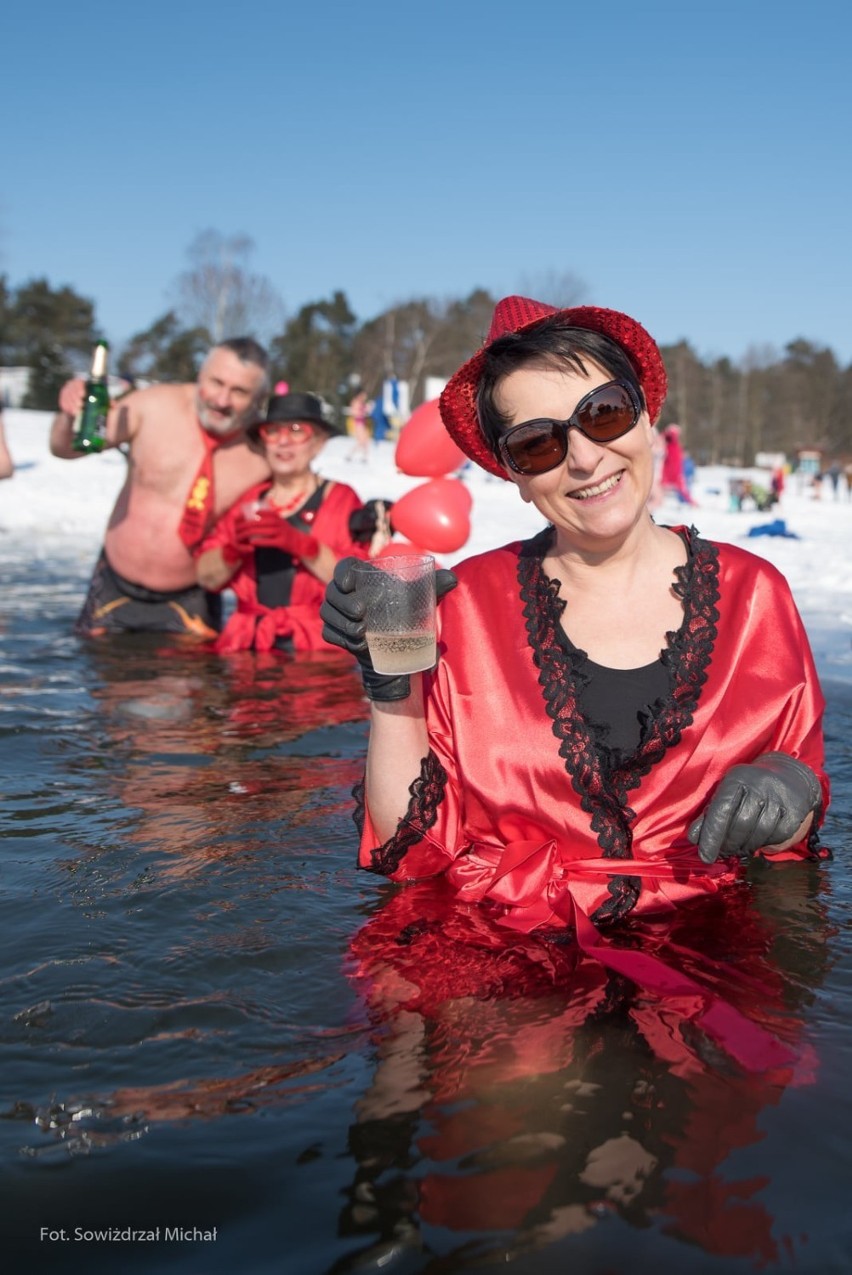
{"type": "Point", "coordinates": [258, 626]}
{"type": "Point", "coordinates": [517, 801]}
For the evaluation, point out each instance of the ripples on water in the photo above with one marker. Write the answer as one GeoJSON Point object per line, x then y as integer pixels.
{"type": "Point", "coordinates": [209, 1019]}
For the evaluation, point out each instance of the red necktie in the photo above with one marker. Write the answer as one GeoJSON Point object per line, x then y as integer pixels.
{"type": "Point", "coordinates": [198, 510]}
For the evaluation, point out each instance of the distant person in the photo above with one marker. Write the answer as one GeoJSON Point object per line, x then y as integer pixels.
{"type": "Point", "coordinates": [834, 471]}
{"type": "Point", "coordinates": [359, 413]}
{"type": "Point", "coordinates": [381, 424]}
{"type": "Point", "coordinates": [672, 478]}
{"type": "Point", "coordinates": [7, 467]}
{"type": "Point", "coordinates": [776, 483]}
{"type": "Point", "coordinates": [188, 461]}
{"type": "Point", "coordinates": [277, 547]}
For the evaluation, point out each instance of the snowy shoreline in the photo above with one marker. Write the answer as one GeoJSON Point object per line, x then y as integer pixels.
{"type": "Point", "coordinates": [51, 509]}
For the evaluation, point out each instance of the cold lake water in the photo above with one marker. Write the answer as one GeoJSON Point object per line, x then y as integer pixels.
{"type": "Point", "coordinates": [205, 1068]}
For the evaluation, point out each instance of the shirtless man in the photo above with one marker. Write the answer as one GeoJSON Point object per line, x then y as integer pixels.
{"type": "Point", "coordinates": [188, 461]}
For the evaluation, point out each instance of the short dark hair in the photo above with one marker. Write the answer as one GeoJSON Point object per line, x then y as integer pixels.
{"type": "Point", "coordinates": [246, 349]}
{"type": "Point", "coordinates": [549, 344]}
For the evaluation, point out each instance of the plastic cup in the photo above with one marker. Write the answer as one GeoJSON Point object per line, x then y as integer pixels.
{"type": "Point", "coordinates": [399, 593]}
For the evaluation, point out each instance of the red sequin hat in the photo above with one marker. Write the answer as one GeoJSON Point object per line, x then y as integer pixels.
{"type": "Point", "coordinates": [516, 314]}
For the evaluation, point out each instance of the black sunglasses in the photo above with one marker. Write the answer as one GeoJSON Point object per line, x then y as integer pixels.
{"type": "Point", "coordinates": [605, 414]}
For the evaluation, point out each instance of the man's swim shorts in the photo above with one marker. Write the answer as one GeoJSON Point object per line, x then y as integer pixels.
{"type": "Point", "coordinates": [116, 605]}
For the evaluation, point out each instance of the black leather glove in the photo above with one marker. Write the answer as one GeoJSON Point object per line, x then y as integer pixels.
{"type": "Point", "coordinates": [342, 614]}
{"type": "Point", "coordinates": [756, 805]}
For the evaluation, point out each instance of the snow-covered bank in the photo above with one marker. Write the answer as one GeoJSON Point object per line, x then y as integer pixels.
{"type": "Point", "coordinates": [53, 509]}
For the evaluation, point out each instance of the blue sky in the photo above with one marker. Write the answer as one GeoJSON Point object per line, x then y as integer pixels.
{"type": "Point", "coordinates": [689, 162]}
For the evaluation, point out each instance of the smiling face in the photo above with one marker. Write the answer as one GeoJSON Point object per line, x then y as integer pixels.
{"type": "Point", "coordinates": [597, 496]}
{"type": "Point", "coordinates": [291, 446]}
{"type": "Point", "coordinates": [228, 392]}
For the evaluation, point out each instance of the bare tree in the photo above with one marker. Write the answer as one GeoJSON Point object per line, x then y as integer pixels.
{"type": "Point", "coordinates": [755, 366]}
{"type": "Point", "coordinates": [220, 293]}
{"type": "Point", "coordinates": [398, 342]}
{"type": "Point", "coordinates": [425, 336]}
{"type": "Point", "coordinates": [561, 288]}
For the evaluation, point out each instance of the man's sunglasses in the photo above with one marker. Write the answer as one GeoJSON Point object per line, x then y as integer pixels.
{"type": "Point", "coordinates": [602, 416]}
{"type": "Point", "coordinates": [299, 431]}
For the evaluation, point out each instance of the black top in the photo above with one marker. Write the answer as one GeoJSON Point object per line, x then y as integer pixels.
{"type": "Point", "coordinates": [618, 700]}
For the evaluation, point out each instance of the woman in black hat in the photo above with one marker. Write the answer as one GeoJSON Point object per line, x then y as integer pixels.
{"type": "Point", "coordinates": [277, 547]}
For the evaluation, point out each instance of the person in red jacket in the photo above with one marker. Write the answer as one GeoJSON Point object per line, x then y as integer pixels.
{"type": "Point", "coordinates": [673, 477]}
{"type": "Point", "coordinates": [278, 545]}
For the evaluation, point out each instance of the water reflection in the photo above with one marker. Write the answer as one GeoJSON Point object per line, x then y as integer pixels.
{"type": "Point", "coordinates": [220, 785]}
{"type": "Point", "coordinates": [206, 1014]}
{"type": "Point", "coordinates": [523, 1091]}
{"type": "Point", "coordinates": [188, 746]}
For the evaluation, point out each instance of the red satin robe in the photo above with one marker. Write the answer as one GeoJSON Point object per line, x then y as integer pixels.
{"type": "Point", "coordinates": [516, 802]}
{"type": "Point", "coordinates": [258, 626]}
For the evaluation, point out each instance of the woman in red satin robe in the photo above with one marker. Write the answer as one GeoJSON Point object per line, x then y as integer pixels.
{"type": "Point", "coordinates": [621, 712]}
{"type": "Point", "coordinates": [277, 546]}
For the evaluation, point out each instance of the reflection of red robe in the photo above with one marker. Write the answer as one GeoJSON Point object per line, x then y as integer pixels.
{"type": "Point", "coordinates": [255, 625]}
{"type": "Point", "coordinates": [516, 802]}
{"type": "Point", "coordinates": [501, 1013]}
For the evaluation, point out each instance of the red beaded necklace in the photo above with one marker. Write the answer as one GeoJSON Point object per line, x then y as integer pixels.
{"type": "Point", "coordinates": [295, 501]}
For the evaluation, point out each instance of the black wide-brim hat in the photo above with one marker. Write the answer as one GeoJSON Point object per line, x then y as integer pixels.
{"type": "Point", "coordinates": [297, 407]}
{"type": "Point", "coordinates": [517, 314]}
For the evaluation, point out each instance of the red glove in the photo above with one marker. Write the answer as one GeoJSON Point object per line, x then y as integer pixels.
{"type": "Point", "coordinates": [269, 530]}
{"type": "Point", "coordinates": [234, 550]}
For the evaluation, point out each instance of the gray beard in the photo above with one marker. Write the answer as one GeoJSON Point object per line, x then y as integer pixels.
{"type": "Point", "coordinates": [237, 420]}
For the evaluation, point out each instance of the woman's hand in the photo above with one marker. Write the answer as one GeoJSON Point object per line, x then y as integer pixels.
{"type": "Point", "coordinates": [767, 803]}
{"type": "Point", "coordinates": [269, 530]}
{"type": "Point", "coordinates": [342, 614]}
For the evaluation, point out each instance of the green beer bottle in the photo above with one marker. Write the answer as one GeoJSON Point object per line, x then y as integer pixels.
{"type": "Point", "coordinates": [90, 425]}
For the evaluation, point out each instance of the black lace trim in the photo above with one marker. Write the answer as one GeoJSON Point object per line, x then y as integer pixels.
{"type": "Point", "coordinates": [815, 849]}
{"type": "Point", "coordinates": [426, 794]}
{"type": "Point", "coordinates": [601, 777]}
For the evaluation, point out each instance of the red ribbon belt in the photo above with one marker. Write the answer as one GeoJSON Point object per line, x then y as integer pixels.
{"type": "Point", "coordinates": [259, 628]}
{"type": "Point", "coordinates": [538, 887]}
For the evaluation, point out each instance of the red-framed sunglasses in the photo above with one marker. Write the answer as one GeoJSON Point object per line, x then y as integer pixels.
{"type": "Point", "coordinates": [299, 431]}
{"type": "Point", "coordinates": [604, 414]}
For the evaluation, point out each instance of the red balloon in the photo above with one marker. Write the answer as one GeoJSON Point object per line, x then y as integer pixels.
{"type": "Point", "coordinates": [460, 493]}
{"type": "Point", "coordinates": [425, 449]}
{"type": "Point", "coordinates": [435, 515]}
